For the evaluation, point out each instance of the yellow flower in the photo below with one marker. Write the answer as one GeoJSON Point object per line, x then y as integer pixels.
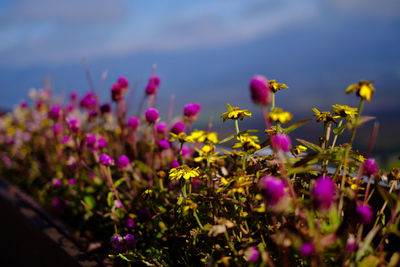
{"type": "Point", "coordinates": [364, 89]}
{"type": "Point", "coordinates": [183, 171]}
{"type": "Point", "coordinates": [275, 86]}
{"type": "Point", "coordinates": [247, 142]}
{"type": "Point", "coordinates": [299, 149]}
{"type": "Point", "coordinates": [201, 136]}
{"type": "Point", "coordinates": [181, 137]}
{"type": "Point", "coordinates": [324, 116]}
{"type": "Point", "coordinates": [234, 113]}
{"type": "Point", "coordinates": [279, 115]}
{"type": "Point", "coordinates": [345, 111]}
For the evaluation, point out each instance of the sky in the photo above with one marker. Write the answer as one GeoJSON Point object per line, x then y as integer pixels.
{"type": "Point", "coordinates": [207, 51]}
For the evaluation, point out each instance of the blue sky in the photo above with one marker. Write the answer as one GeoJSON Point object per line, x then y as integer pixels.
{"type": "Point", "coordinates": [207, 50]}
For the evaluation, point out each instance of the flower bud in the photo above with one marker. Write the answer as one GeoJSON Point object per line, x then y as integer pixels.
{"type": "Point", "coordinates": [370, 167]}
{"type": "Point", "coordinates": [364, 214]}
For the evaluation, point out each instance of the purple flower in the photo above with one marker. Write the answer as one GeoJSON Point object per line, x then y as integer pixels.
{"type": "Point", "coordinates": [71, 181]}
{"type": "Point", "coordinates": [133, 123]}
{"type": "Point", "coordinates": [56, 183]}
{"type": "Point", "coordinates": [116, 92]}
{"type": "Point", "coordinates": [273, 189]}
{"type": "Point", "coordinates": [186, 151]}
{"type": "Point", "coordinates": [23, 104]}
{"type": "Point", "coordinates": [58, 203]}
{"type": "Point", "coordinates": [178, 127]}
{"type": "Point", "coordinates": [105, 108]}
{"type": "Point", "coordinates": [155, 80]}
{"type": "Point", "coordinates": [73, 96]}
{"type": "Point", "coordinates": [101, 142]}
{"type": "Point", "coordinates": [282, 142]}
{"type": "Point", "coordinates": [57, 129]}
{"type": "Point", "coordinates": [307, 249]}
{"type": "Point", "coordinates": [89, 101]}
{"type": "Point", "coordinates": [106, 160]}
{"type": "Point", "coordinates": [151, 115]}
{"type": "Point", "coordinates": [323, 193]}
{"type": "Point", "coordinates": [130, 240]}
{"type": "Point", "coordinates": [174, 164]}
{"type": "Point", "coordinates": [370, 167]}
{"type": "Point", "coordinates": [74, 125]}
{"type": "Point", "coordinates": [163, 144]}
{"type": "Point", "coordinates": [70, 108]}
{"type": "Point", "coordinates": [191, 110]}
{"type": "Point", "coordinates": [162, 128]}
{"type": "Point", "coordinates": [117, 242]}
{"type": "Point", "coordinates": [251, 254]}
{"type": "Point", "coordinates": [130, 222]}
{"type": "Point", "coordinates": [351, 244]}
{"type": "Point", "coordinates": [123, 162]}
{"type": "Point", "coordinates": [364, 214]}
{"type": "Point", "coordinates": [123, 82]}
{"type": "Point", "coordinates": [259, 90]}
{"type": "Point", "coordinates": [55, 112]}
{"type": "Point", "coordinates": [151, 89]}
{"type": "Point", "coordinates": [65, 140]}
{"type": "Point", "coordinates": [91, 141]}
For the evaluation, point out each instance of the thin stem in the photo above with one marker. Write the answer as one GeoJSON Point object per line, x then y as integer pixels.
{"type": "Point", "coordinates": [273, 101]}
{"type": "Point", "coordinates": [336, 135]}
{"type": "Point", "coordinates": [197, 219]}
{"type": "Point", "coordinates": [360, 108]}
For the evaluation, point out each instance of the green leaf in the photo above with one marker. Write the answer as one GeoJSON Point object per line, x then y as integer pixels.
{"type": "Point", "coordinates": [309, 145]}
{"type": "Point", "coordinates": [180, 200]}
{"type": "Point", "coordinates": [294, 126]}
{"type": "Point", "coordinates": [90, 201]}
{"type": "Point", "coordinates": [306, 159]}
{"type": "Point", "coordinates": [227, 139]}
{"type": "Point", "coordinates": [110, 199]}
{"type": "Point", "coordinates": [119, 182]}
{"type": "Point", "coordinates": [339, 130]}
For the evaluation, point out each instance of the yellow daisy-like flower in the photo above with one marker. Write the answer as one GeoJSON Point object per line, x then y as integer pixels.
{"type": "Point", "coordinates": [247, 142]}
{"type": "Point", "coordinates": [234, 113]}
{"type": "Point", "coordinates": [299, 149]}
{"type": "Point", "coordinates": [345, 111]}
{"type": "Point", "coordinates": [279, 115]}
{"type": "Point", "coordinates": [183, 171]}
{"type": "Point", "coordinates": [202, 136]}
{"type": "Point", "coordinates": [324, 116]}
{"type": "Point", "coordinates": [364, 89]}
{"type": "Point", "coordinates": [275, 86]}
{"type": "Point", "coordinates": [181, 137]}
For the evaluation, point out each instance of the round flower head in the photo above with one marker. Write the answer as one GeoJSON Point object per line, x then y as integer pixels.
{"type": "Point", "coordinates": [186, 152]}
{"type": "Point", "coordinates": [155, 80]}
{"type": "Point", "coordinates": [23, 104]}
{"type": "Point", "coordinates": [163, 144]}
{"type": "Point", "coordinates": [351, 243]}
{"type": "Point", "coordinates": [273, 189]}
{"type": "Point", "coordinates": [130, 240]}
{"type": "Point", "coordinates": [91, 141]}
{"type": "Point", "coordinates": [364, 214]}
{"type": "Point", "coordinates": [251, 254]}
{"type": "Point", "coordinates": [307, 249]}
{"type": "Point", "coordinates": [178, 127]}
{"type": "Point", "coordinates": [133, 123]}
{"type": "Point", "coordinates": [89, 101]}
{"type": "Point", "coordinates": [57, 129]}
{"type": "Point", "coordinates": [151, 89]}
{"type": "Point", "coordinates": [106, 160]}
{"type": "Point", "coordinates": [73, 96]}
{"type": "Point", "coordinates": [92, 115]}
{"type": "Point", "coordinates": [55, 112]}
{"type": "Point", "coordinates": [174, 164]}
{"type": "Point", "coordinates": [116, 92]}
{"type": "Point", "coordinates": [130, 222]}
{"type": "Point", "coordinates": [323, 193]}
{"type": "Point", "coordinates": [259, 90]}
{"type": "Point", "coordinates": [123, 162]}
{"type": "Point", "coordinates": [71, 181]}
{"type": "Point", "coordinates": [70, 108]}
{"type": "Point", "coordinates": [101, 142]}
{"type": "Point", "coordinates": [56, 183]}
{"type": "Point", "coordinates": [151, 115]}
{"type": "Point", "coordinates": [123, 82]}
{"type": "Point", "coordinates": [162, 128]}
{"type": "Point", "coordinates": [74, 125]}
{"type": "Point", "coordinates": [370, 167]}
{"type": "Point", "coordinates": [191, 110]}
{"type": "Point", "coordinates": [105, 108]}
{"type": "Point", "coordinates": [282, 142]}
{"type": "Point", "coordinates": [117, 242]}
{"type": "Point", "coordinates": [65, 139]}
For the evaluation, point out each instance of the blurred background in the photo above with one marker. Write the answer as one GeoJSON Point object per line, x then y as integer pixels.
{"type": "Point", "coordinates": [207, 51]}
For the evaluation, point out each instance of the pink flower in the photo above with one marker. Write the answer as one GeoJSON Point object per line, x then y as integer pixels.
{"type": "Point", "coordinates": [282, 142]}
{"type": "Point", "coordinates": [151, 89]}
{"type": "Point", "coordinates": [55, 112]}
{"type": "Point", "coordinates": [174, 164]}
{"type": "Point", "coordinates": [178, 127]}
{"type": "Point", "coordinates": [323, 193]}
{"type": "Point", "coordinates": [106, 160]}
{"type": "Point", "coordinates": [123, 162]}
{"type": "Point", "coordinates": [155, 80]}
{"type": "Point", "coordinates": [259, 90]}
{"type": "Point", "coordinates": [252, 254]}
{"type": "Point", "coordinates": [74, 125]}
{"type": "Point", "coordinates": [101, 142]}
{"type": "Point", "coordinates": [364, 214]}
{"type": "Point", "coordinates": [133, 123]}
{"type": "Point", "coordinates": [116, 92]}
{"type": "Point", "coordinates": [123, 82]}
{"type": "Point", "coordinates": [273, 189]}
{"type": "Point", "coordinates": [162, 128]}
{"type": "Point", "coordinates": [191, 110]}
{"type": "Point", "coordinates": [151, 115]}
{"type": "Point", "coordinates": [370, 167]}
{"type": "Point", "coordinates": [307, 249]}
{"type": "Point", "coordinates": [57, 129]}
{"type": "Point", "coordinates": [163, 144]}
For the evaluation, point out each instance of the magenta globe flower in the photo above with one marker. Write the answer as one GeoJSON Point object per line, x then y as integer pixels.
{"type": "Point", "coordinates": [282, 142]}
{"type": "Point", "coordinates": [133, 123]}
{"type": "Point", "coordinates": [323, 193]}
{"type": "Point", "coordinates": [117, 243]}
{"type": "Point", "coordinates": [364, 214]}
{"type": "Point", "coordinates": [91, 141]}
{"type": "Point", "coordinates": [273, 189]}
{"type": "Point", "coordinates": [130, 222]}
{"type": "Point", "coordinates": [174, 164]}
{"type": "Point", "coordinates": [252, 254]}
{"type": "Point", "coordinates": [101, 143]}
{"type": "Point", "coordinates": [151, 89]}
{"type": "Point", "coordinates": [130, 240]}
{"type": "Point", "coordinates": [123, 162]}
{"type": "Point", "coordinates": [155, 80]}
{"type": "Point", "coordinates": [370, 167]}
{"type": "Point", "coordinates": [123, 82]}
{"type": "Point", "coordinates": [163, 144]}
{"type": "Point", "coordinates": [57, 129]}
{"type": "Point", "coordinates": [74, 125]}
{"type": "Point", "coordinates": [106, 160]}
{"type": "Point", "coordinates": [73, 96]}
{"type": "Point", "coordinates": [55, 112]}
{"type": "Point", "coordinates": [23, 104]}
{"type": "Point", "coordinates": [307, 249]}
{"type": "Point", "coordinates": [191, 110]}
{"type": "Point", "coordinates": [260, 91]}
{"type": "Point", "coordinates": [151, 115]}
{"type": "Point", "coordinates": [116, 92]}
{"type": "Point", "coordinates": [178, 127]}
{"type": "Point", "coordinates": [89, 101]}
{"type": "Point", "coordinates": [105, 108]}
{"type": "Point", "coordinates": [162, 128]}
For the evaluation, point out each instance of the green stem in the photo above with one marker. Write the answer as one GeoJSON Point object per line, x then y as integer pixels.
{"type": "Point", "coordinates": [184, 189]}
{"type": "Point", "coordinates": [360, 108]}
{"type": "Point", "coordinates": [273, 101]}
{"type": "Point", "coordinates": [229, 242]}
{"type": "Point", "coordinates": [336, 135]}
{"type": "Point", "coordinates": [237, 127]}
{"type": "Point", "coordinates": [197, 219]}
